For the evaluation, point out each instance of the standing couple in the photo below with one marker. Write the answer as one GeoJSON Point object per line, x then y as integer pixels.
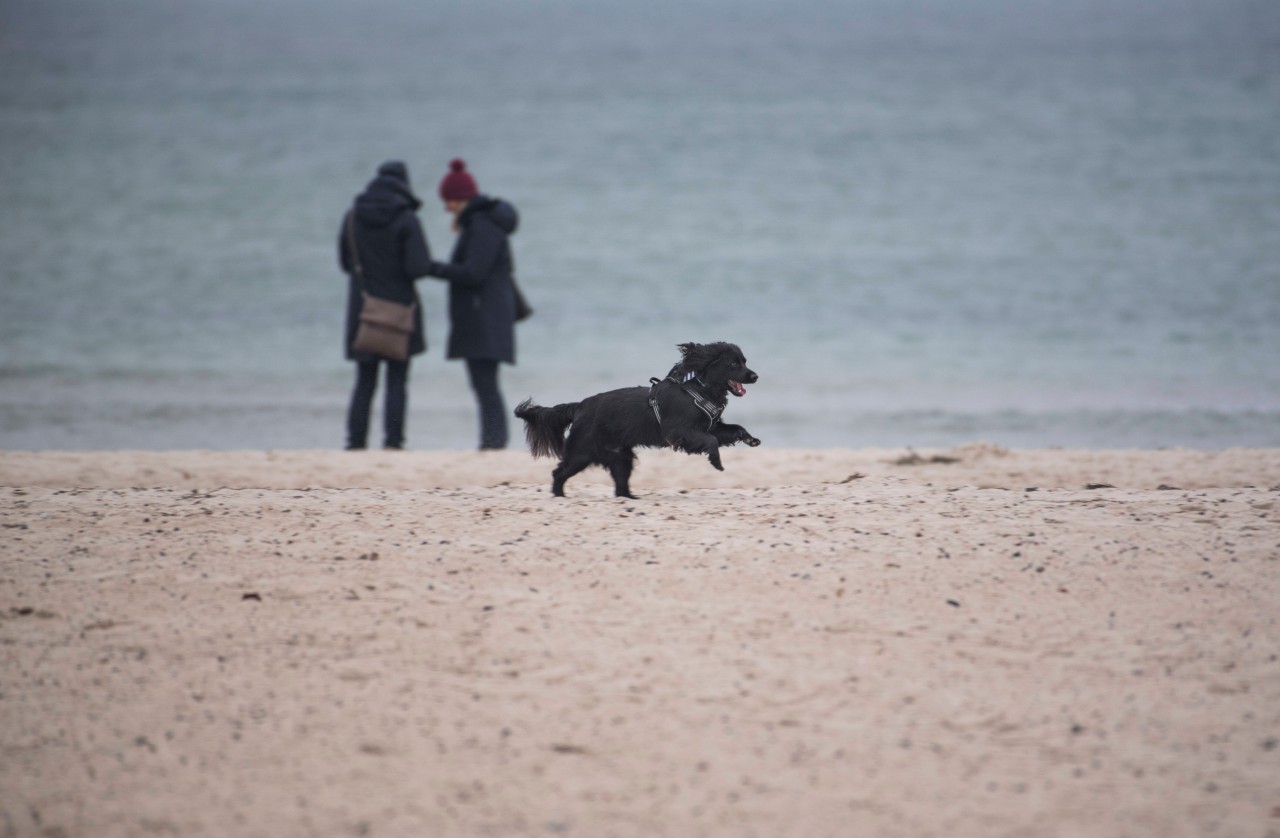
{"type": "Point", "coordinates": [393, 252]}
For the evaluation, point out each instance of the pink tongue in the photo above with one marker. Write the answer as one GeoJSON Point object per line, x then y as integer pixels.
{"type": "Point", "coordinates": [738, 389]}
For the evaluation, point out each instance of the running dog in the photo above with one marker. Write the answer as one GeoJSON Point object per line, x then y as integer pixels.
{"type": "Point", "coordinates": [682, 411]}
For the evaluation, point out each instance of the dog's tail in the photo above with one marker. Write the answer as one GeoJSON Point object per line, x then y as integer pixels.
{"type": "Point", "coordinates": [544, 427]}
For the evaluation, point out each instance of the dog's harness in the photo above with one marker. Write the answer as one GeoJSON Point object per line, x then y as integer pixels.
{"type": "Point", "coordinates": [704, 404]}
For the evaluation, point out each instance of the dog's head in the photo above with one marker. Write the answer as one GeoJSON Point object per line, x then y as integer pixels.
{"type": "Point", "coordinates": [721, 366]}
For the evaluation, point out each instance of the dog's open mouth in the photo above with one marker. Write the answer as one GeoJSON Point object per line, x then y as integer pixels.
{"type": "Point", "coordinates": [737, 389]}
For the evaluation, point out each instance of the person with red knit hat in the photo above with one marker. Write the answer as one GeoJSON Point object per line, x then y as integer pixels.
{"type": "Point", "coordinates": [482, 293]}
{"type": "Point", "coordinates": [458, 184]}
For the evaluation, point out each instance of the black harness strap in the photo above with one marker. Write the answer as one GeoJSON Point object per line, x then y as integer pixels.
{"type": "Point", "coordinates": [704, 404]}
{"type": "Point", "coordinates": [653, 399]}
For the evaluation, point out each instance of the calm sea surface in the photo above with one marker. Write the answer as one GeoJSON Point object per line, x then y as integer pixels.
{"type": "Point", "coordinates": [1050, 223]}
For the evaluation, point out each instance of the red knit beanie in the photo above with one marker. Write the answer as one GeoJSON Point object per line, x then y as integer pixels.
{"type": "Point", "coordinates": [458, 185]}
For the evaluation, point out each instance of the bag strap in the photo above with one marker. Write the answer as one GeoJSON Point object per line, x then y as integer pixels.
{"type": "Point", "coordinates": [355, 251]}
{"type": "Point", "coordinates": [355, 259]}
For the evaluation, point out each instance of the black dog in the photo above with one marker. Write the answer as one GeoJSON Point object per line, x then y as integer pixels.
{"type": "Point", "coordinates": [681, 411]}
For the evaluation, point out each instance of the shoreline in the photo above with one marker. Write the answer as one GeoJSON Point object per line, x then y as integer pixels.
{"type": "Point", "coordinates": [979, 463]}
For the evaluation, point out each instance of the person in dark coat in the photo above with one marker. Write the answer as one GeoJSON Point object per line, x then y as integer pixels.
{"type": "Point", "coordinates": [482, 297]}
{"type": "Point", "coordinates": [393, 253]}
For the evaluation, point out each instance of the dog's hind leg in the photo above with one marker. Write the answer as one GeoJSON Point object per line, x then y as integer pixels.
{"type": "Point", "coordinates": [568, 467]}
{"type": "Point", "coordinates": [620, 463]}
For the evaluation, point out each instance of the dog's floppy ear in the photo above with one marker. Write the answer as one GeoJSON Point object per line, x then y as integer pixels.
{"type": "Point", "coordinates": [694, 357]}
{"type": "Point", "coordinates": [698, 357]}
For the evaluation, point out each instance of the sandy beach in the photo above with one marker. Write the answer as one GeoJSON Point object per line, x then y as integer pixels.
{"type": "Point", "coordinates": [970, 642]}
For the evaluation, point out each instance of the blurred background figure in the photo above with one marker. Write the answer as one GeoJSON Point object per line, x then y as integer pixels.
{"type": "Point", "coordinates": [482, 299]}
{"type": "Point", "coordinates": [382, 232]}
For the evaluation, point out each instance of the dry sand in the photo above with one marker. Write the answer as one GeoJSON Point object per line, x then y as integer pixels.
{"type": "Point", "coordinates": [813, 643]}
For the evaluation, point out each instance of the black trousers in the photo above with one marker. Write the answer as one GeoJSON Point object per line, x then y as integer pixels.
{"type": "Point", "coordinates": [493, 412]}
{"type": "Point", "coordinates": [397, 400]}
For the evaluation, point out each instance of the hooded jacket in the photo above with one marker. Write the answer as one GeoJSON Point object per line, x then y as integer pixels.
{"type": "Point", "coordinates": [392, 248]}
{"type": "Point", "coordinates": [482, 300]}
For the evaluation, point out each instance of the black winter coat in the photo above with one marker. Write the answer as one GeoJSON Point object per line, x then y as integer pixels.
{"type": "Point", "coordinates": [482, 299]}
{"type": "Point", "coordinates": [393, 251]}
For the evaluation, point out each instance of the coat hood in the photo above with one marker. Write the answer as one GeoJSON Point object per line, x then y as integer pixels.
{"type": "Point", "coordinates": [386, 196]}
{"type": "Point", "coordinates": [498, 211]}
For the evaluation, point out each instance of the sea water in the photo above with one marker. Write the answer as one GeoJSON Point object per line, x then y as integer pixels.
{"type": "Point", "coordinates": [1049, 223]}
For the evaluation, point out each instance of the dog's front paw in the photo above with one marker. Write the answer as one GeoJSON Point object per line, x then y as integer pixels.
{"type": "Point", "coordinates": [752, 441]}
